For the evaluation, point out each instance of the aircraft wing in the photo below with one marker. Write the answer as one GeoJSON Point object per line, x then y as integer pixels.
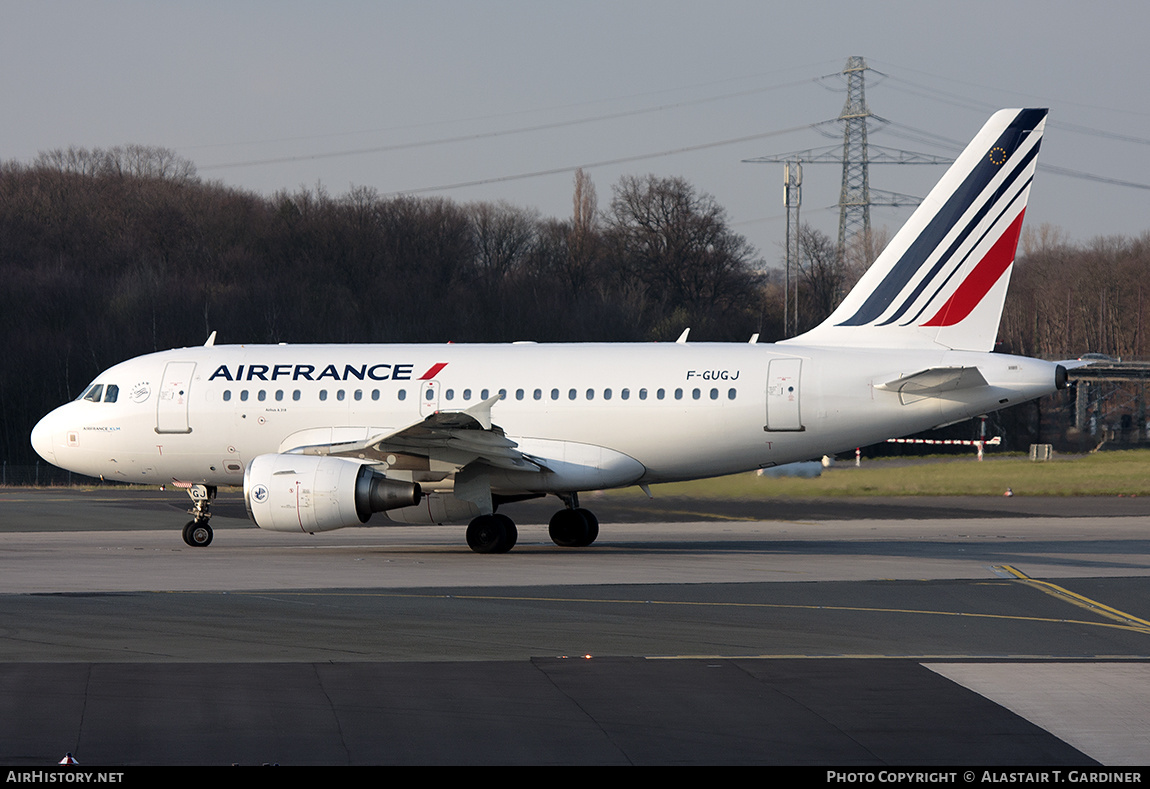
{"type": "Point", "coordinates": [444, 441]}
{"type": "Point", "coordinates": [934, 381]}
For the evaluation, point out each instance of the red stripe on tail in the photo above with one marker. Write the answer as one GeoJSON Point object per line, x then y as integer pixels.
{"type": "Point", "coordinates": [979, 282]}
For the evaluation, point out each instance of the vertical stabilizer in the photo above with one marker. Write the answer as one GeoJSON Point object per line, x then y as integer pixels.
{"type": "Point", "coordinates": [942, 280]}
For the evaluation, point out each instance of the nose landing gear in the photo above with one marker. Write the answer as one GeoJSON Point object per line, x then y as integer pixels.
{"type": "Point", "coordinates": [197, 532]}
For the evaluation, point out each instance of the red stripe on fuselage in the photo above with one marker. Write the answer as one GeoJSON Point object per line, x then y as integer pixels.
{"type": "Point", "coordinates": [979, 282]}
{"type": "Point", "coordinates": [432, 371]}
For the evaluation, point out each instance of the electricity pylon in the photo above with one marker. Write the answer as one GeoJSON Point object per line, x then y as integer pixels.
{"type": "Point", "coordinates": [856, 197]}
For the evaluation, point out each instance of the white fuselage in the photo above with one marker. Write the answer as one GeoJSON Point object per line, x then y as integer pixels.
{"type": "Point", "coordinates": [610, 414]}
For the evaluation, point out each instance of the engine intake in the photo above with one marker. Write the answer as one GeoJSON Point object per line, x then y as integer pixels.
{"type": "Point", "coordinates": [306, 493]}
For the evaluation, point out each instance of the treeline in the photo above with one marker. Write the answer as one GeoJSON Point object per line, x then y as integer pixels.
{"type": "Point", "coordinates": [1066, 299]}
{"type": "Point", "coordinates": [107, 254]}
{"type": "Point", "coordinates": [111, 253]}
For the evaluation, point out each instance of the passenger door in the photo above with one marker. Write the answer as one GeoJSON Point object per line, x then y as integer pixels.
{"type": "Point", "coordinates": [172, 405]}
{"type": "Point", "coordinates": [783, 401]}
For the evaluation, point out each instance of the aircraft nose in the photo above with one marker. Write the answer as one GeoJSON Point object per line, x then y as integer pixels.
{"type": "Point", "coordinates": [42, 439]}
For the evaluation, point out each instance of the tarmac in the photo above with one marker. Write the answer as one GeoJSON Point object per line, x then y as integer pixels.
{"type": "Point", "coordinates": [956, 632]}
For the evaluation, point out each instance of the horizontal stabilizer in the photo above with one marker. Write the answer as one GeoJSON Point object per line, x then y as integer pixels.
{"type": "Point", "coordinates": [934, 381]}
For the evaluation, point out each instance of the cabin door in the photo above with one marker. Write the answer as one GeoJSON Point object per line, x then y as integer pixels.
{"type": "Point", "coordinates": [783, 378]}
{"type": "Point", "coordinates": [172, 406]}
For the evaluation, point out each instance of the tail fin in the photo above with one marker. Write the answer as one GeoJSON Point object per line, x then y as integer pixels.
{"type": "Point", "coordinates": [941, 282]}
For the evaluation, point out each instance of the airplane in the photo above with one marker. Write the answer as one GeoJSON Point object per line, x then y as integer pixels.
{"type": "Point", "coordinates": [322, 437]}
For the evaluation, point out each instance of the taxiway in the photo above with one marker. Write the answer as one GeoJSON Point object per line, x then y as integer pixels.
{"type": "Point", "coordinates": [964, 632]}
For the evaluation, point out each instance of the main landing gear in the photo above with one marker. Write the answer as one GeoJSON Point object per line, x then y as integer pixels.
{"type": "Point", "coordinates": [572, 527]}
{"type": "Point", "coordinates": [493, 533]}
{"type": "Point", "coordinates": [197, 532]}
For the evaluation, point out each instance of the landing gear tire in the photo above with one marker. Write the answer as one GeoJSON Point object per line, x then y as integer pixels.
{"type": "Point", "coordinates": [197, 534]}
{"type": "Point", "coordinates": [574, 528]}
{"type": "Point", "coordinates": [592, 533]}
{"type": "Point", "coordinates": [492, 534]}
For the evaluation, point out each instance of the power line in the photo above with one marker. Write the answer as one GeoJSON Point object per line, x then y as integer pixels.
{"type": "Point", "coordinates": [601, 163]}
{"type": "Point", "coordinates": [499, 133]}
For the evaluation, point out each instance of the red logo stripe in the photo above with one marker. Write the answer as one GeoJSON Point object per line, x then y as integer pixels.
{"type": "Point", "coordinates": [432, 371]}
{"type": "Point", "coordinates": [979, 282]}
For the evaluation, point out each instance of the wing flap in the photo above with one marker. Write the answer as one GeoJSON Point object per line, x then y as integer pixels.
{"type": "Point", "coordinates": [445, 438]}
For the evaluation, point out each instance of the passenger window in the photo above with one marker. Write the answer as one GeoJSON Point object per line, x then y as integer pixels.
{"type": "Point", "coordinates": [322, 395]}
{"type": "Point", "coordinates": [227, 395]}
{"type": "Point", "coordinates": [486, 393]}
{"type": "Point", "coordinates": [660, 394]}
{"type": "Point", "coordinates": [572, 395]}
{"type": "Point", "coordinates": [606, 394]}
{"type": "Point", "coordinates": [244, 395]}
{"type": "Point", "coordinates": [731, 394]}
{"type": "Point", "coordinates": [402, 394]}
{"type": "Point", "coordinates": [295, 395]}
{"type": "Point", "coordinates": [554, 394]}
{"type": "Point", "coordinates": [374, 394]}
{"type": "Point", "coordinates": [642, 394]}
{"type": "Point", "coordinates": [502, 394]}
{"type": "Point", "coordinates": [695, 394]}
{"type": "Point", "coordinates": [678, 394]}
{"type": "Point", "coordinates": [538, 394]}
{"type": "Point", "coordinates": [590, 394]}
{"type": "Point", "coordinates": [518, 394]}
{"type": "Point", "coordinates": [111, 393]}
{"type": "Point", "coordinates": [358, 394]}
{"type": "Point", "coordinates": [625, 394]}
{"type": "Point", "coordinates": [279, 395]}
{"type": "Point", "coordinates": [466, 394]}
{"type": "Point", "coordinates": [449, 394]}
{"type": "Point", "coordinates": [714, 394]}
{"type": "Point", "coordinates": [339, 395]}
{"type": "Point", "coordinates": [261, 395]}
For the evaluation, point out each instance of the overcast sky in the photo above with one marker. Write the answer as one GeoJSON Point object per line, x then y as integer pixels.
{"type": "Point", "coordinates": [503, 100]}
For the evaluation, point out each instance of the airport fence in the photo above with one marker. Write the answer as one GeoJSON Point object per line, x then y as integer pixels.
{"type": "Point", "coordinates": [42, 475]}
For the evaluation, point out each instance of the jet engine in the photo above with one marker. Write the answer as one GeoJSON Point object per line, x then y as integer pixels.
{"type": "Point", "coordinates": [308, 493]}
{"type": "Point", "coordinates": [435, 508]}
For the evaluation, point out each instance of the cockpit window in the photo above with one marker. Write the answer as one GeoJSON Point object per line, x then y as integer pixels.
{"type": "Point", "coordinates": [96, 393]}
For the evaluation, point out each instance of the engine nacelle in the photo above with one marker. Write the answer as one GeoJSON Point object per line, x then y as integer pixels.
{"type": "Point", "coordinates": [436, 508]}
{"type": "Point", "coordinates": [306, 493]}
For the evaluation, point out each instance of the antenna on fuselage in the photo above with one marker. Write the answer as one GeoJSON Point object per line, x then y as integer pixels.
{"type": "Point", "coordinates": [211, 340]}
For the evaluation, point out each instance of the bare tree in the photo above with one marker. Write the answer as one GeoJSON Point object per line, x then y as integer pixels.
{"type": "Point", "coordinates": [504, 236]}
{"type": "Point", "coordinates": [583, 239]}
{"type": "Point", "coordinates": [823, 276]}
{"type": "Point", "coordinates": [672, 244]}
